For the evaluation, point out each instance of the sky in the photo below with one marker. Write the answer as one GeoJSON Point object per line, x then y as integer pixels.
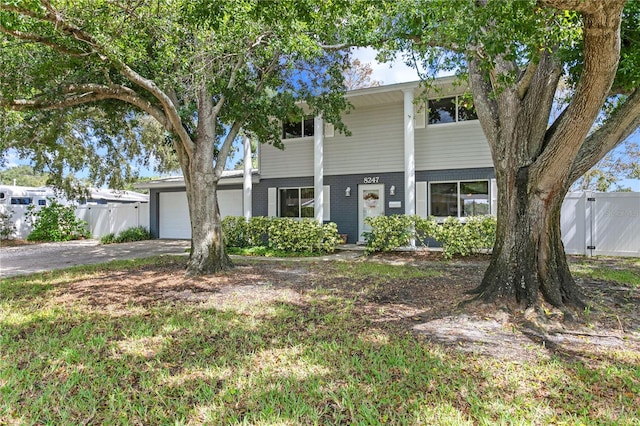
{"type": "Point", "coordinates": [387, 73]}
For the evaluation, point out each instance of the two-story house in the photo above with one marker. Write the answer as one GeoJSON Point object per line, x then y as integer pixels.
{"type": "Point", "coordinates": [403, 156]}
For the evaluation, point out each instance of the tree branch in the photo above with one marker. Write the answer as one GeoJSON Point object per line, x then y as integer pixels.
{"type": "Point", "coordinates": [42, 40]}
{"type": "Point", "coordinates": [624, 121]}
{"type": "Point", "coordinates": [601, 52]}
{"type": "Point", "coordinates": [89, 93]}
{"type": "Point", "coordinates": [170, 110]}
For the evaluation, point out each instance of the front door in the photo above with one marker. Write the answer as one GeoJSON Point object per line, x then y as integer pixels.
{"type": "Point", "coordinates": [370, 204]}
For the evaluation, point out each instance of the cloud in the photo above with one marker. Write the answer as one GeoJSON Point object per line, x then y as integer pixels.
{"type": "Point", "coordinates": [386, 72]}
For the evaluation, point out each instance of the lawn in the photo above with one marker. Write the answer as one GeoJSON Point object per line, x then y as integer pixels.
{"type": "Point", "coordinates": [376, 341]}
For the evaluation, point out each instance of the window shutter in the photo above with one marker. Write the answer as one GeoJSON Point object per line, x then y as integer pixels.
{"type": "Point", "coordinates": [420, 115]}
{"type": "Point", "coordinates": [329, 130]}
{"type": "Point", "coordinates": [326, 210]}
{"type": "Point", "coordinates": [272, 209]}
{"type": "Point", "coordinates": [421, 199]}
{"type": "Point", "coordinates": [494, 197]}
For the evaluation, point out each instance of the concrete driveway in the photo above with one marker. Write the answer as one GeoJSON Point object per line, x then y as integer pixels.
{"type": "Point", "coordinates": [49, 256]}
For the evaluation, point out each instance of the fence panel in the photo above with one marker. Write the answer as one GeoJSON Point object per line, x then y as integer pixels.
{"type": "Point", "coordinates": [573, 223]}
{"type": "Point", "coordinates": [616, 224]}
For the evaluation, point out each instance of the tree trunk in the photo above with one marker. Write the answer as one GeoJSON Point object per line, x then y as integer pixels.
{"type": "Point", "coordinates": [208, 255]}
{"type": "Point", "coordinates": [528, 259]}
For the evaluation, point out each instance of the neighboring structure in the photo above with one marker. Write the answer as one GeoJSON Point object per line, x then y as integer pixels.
{"type": "Point", "coordinates": [399, 159]}
{"type": "Point", "coordinates": [16, 200]}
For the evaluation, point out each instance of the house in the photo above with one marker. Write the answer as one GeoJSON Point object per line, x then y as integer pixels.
{"type": "Point", "coordinates": [15, 201]}
{"type": "Point", "coordinates": [403, 157]}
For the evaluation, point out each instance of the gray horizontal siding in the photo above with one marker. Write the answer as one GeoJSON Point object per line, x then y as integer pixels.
{"type": "Point", "coordinates": [452, 146]}
{"type": "Point", "coordinates": [376, 142]}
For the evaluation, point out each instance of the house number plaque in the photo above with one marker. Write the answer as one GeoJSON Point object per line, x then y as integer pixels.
{"type": "Point", "coordinates": [371, 179]}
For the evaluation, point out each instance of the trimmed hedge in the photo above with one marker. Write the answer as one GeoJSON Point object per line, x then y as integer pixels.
{"type": "Point", "coordinates": [290, 235]}
{"type": "Point", "coordinates": [457, 237]}
{"type": "Point", "coordinates": [136, 233]}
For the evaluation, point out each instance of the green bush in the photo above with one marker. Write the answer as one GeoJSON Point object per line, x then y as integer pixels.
{"type": "Point", "coordinates": [234, 231]}
{"type": "Point", "coordinates": [388, 232]}
{"type": "Point", "coordinates": [55, 222]}
{"type": "Point", "coordinates": [108, 239]}
{"type": "Point", "coordinates": [136, 233]}
{"type": "Point", "coordinates": [457, 237]}
{"type": "Point", "coordinates": [281, 234]}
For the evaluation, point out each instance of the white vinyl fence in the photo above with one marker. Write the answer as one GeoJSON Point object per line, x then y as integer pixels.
{"type": "Point", "coordinates": [102, 219]}
{"type": "Point", "coordinates": [607, 224]}
{"type": "Point", "coordinates": [113, 218]}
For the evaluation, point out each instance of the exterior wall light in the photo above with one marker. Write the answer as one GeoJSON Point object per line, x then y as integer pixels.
{"type": "Point", "coordinates": [347, 192]}
{"type": "Point", "coordinates": [392, 190]}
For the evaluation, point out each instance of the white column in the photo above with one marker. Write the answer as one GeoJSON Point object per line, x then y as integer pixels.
{"type": "Point", "coordinates": [247, 185]}
{"type": "Point", "coordinates": [318, 167]}
{"type": "Point", "coordinates": [409, 155]}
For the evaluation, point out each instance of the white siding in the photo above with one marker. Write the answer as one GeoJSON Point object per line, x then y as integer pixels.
{"type": "Point", "coordinates": [375, 146]}
{"type": "Point", "coordinates": [452, 146]}
{"type": "Point", "coordinates": [294, 161]}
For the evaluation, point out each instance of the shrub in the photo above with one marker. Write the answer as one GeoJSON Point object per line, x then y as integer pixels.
{"type": "Point", "coordinates": [108, 239]}
{"type": "Point", "coordinates": [55, 222]}
{"type": "Point", "coordinates": [7, 228]}
{"type": "Point", "coordinates": [388, 232]}
{"type": "Point", "coordinates": [234, 231]}
{"type": "Point", "coordinates": [457, 237]}
{"type": "Point", "coordinates": [281, 234]}
{"type": "Point", "coordinates": [465, 238]}
{"type": "Point", "coordinates": [136, 233]}
{"type": "Point", "coordinates": [303, 236]}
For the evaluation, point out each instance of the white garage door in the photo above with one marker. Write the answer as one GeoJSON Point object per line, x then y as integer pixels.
{"type": "Point", "coordinates": [174, 215]}
{"type": "Point", "coordinates": [174, 211]}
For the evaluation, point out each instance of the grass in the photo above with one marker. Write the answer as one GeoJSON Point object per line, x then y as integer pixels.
{"type": "Point", "coordinates": [628, 275]}
{"type": "Point", "coordinates": [320, 361]}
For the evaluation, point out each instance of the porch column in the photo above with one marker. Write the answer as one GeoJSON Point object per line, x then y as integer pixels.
{"type": "Point", "coordinates": [318, 167]}
{"type": "Point", "coordinates": [247, 185]}
{"type": "Point", "coordinates": [409, 155]}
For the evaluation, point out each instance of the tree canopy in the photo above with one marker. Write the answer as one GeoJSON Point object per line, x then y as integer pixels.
{"type": "Point", "coordinates": [514, 55]}
{"type": "Point", "coordinates": [93, 83]}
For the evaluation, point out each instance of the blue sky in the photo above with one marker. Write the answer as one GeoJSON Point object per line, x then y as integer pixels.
{"type": "Point", "coordinates": [387, 73]}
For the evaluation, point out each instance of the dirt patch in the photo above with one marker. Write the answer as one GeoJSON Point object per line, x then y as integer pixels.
{"type": "Point", "coordinates": [428, 306]}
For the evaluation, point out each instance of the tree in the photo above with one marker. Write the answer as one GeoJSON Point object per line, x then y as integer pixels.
{"type": "Point", "coordinates": [23, 176]}
{"type": "Point", "coordinates": [358, 76]}
{"type": "Point", "coordinates": [514, 55]}
{"type": "Point", "coordinates": [79, 79]}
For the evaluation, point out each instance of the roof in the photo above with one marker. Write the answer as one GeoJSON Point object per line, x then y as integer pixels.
{"type": "Point", "coordinates": [95, 193]}
{"type": "Point", "coordinates": [229, 177]}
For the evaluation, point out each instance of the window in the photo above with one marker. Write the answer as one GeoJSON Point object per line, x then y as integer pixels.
{"type": "Point", "coordinates": [296, 202]}
{"type": "Point", "coordinates": [42, 202]}
{"type": "Point", "coordinates": [460, 199]}
{"type": "Point", "coordinates": [21, 201]}
{"type": "Point", "coordinates": [450, 110]}
{"type": "Point", "coordinates": [298, 129]}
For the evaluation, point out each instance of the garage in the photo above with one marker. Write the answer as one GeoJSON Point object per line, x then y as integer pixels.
{"type": "Point", "coordinates": [174, 211]}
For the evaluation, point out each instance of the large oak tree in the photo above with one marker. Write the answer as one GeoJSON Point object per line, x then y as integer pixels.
{"type": "Point", "coordinates": [79, 81]}
{"type": "Point", "coordinates": [514, 55]}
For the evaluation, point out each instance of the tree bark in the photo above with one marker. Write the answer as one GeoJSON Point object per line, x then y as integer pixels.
{"type": "Point", "coordinates": [208, 255]}
{"type": "Point", "coordinates": [528, 260]}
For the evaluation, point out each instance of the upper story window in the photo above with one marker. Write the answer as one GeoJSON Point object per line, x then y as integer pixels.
{"type": "Point", "coordinates": [460, 199]}
{"type": "Point", "coordinates": [450, 110]}
{"type": "Point", "coordinates": [298, 129]}
{"type": "Point", "coordinates": [296, 202]}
